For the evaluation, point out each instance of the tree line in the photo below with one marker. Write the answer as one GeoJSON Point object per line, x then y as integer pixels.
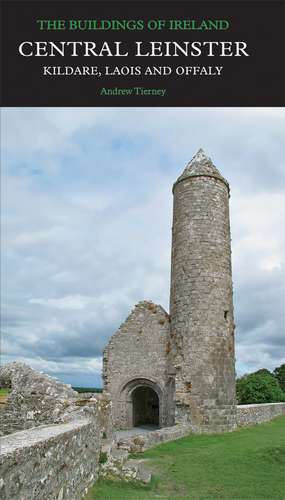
{"type": "Point", "coordinates": [262, 386]}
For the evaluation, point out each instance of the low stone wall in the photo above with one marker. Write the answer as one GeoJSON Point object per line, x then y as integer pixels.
{"type": "Point", "coordinates": [50, 462]}
{"type": "Point", "coordinates": [140, 442]}
{"type": "Point", "coordinates": [256, 414]}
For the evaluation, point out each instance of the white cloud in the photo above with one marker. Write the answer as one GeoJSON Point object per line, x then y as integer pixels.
{"type": "Point", "coordinates": [87, 199]}
{"type": "Point", "coordinates": [72, 302]}
{"type": "Point", "coordinates": [258, 241]}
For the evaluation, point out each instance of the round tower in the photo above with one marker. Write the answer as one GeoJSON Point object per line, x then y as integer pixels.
{"type": "Point", "coordinates": [201, 305]}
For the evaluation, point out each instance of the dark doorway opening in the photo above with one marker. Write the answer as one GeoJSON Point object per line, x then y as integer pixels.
{"type": "Point", "coordinates": [145, 407]}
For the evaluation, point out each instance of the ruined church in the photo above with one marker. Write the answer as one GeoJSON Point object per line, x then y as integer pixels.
{"type": "Point", "coordinates": [162, 369]}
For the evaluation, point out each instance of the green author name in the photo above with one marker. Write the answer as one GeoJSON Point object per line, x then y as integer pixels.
{"type": "Point", "coordinates": [138, 91]}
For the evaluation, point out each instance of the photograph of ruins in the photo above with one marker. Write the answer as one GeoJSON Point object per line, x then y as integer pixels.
{"type": "Point", "coordinates": [108, 225]}
{"type": "Point", "coordinates": [162, 368]}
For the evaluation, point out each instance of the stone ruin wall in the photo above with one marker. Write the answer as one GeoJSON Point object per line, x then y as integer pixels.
{"type": "Point", "coordinates": [51, 437]}
{"type": "Point", "coordinates": [139, 351]}
{"type": "Point", "coordinates": [35, 399]}
{"type": "Point", "coordinates": [105, 414]}
{"type": "Point", "coordinates": [51, 462]}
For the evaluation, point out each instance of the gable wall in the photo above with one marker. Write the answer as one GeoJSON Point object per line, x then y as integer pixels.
{"type": "Point", "coordinates": [139, 350]}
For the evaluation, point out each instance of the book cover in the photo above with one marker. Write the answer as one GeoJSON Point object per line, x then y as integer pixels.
{"type": "Point", "coordinates": [142, 177]}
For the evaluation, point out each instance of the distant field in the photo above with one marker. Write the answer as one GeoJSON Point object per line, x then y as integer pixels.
{"type": "Point", "coordinates": [248, 464]}
{"type": "Point", "coordinates": [87, 389]}
{"type": "Point", "coordinates": [4, 392]}
{"type": "Point", "coordinates": [3, 395]}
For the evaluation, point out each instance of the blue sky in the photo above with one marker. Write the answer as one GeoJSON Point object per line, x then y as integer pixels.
{"type": "Point", "coordinates": [87, 208]}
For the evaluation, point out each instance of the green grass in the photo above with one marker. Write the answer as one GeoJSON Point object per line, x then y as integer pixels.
{"type": "Point", "coordinates": [245, 464]}
{"type": "Point", "coordinates": [4, 391]}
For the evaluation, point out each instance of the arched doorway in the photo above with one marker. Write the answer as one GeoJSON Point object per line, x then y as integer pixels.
{"type": "Point", "coordinates": [136, 406]}
{"type": "Point", "coordinates": [145, 406]}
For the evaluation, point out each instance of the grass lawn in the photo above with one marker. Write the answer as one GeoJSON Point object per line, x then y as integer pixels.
{"type": "Point", "coordinates": [4, 392]}
{"type": "Point", "coordinates": [245, 464]}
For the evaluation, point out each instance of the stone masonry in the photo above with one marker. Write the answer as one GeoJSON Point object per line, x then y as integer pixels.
{"type": "Point", "coordinates": [136, 368]}
{"type": "Point", "coordinates": [57, 462]}
{"type": "Point", "coordinates": [258, 413]}
{"type": "Point", "coordinates": [182, 371]}
{"type": "Point", "coordinates": [35, 399]}
{"type": "Point", "coordinates": [201, 304]}
{"type": "Point", "coordinates": [52, 437]}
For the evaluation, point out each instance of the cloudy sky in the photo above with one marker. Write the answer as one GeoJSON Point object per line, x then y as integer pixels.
{"type": "Point", "coordinates": [87, 207]}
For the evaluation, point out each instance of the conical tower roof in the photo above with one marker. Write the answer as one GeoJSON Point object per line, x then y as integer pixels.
{"type": "Point", "coordinates": [201, 166]}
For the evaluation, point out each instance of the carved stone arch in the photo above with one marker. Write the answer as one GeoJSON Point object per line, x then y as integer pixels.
{"type": "Point", "coordinates": [126, 399]}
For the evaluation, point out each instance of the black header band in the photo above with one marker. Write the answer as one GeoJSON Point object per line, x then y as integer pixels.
{"type": "Point", "coordinates": [126, 53]}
